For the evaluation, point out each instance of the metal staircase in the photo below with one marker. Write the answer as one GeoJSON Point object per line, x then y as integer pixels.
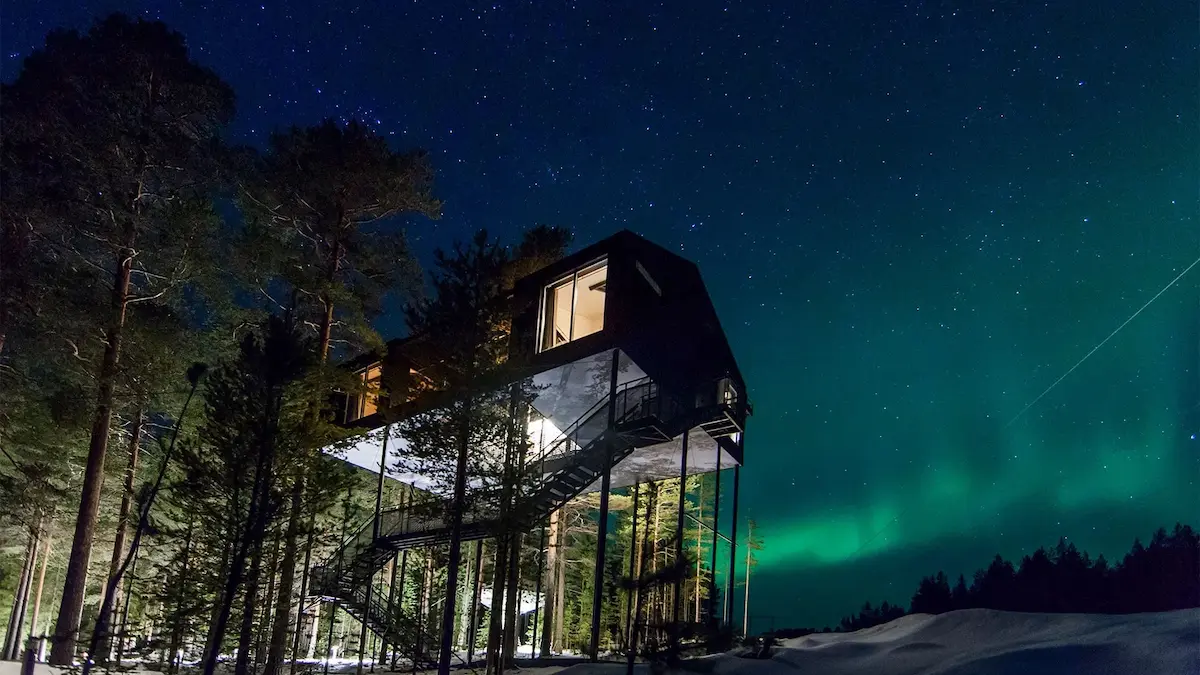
{"type": "Point", "coordinates": [401, 629]}
{"type": "Point", "coordinates": [641, 415]}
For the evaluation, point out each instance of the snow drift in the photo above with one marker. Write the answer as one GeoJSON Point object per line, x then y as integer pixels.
{"type": "Point", "coordinates": [981, 642]}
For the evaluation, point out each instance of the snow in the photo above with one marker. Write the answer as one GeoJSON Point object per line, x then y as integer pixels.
{"type": "Point", "coordinates": [979, 642]}
{"type": "Point", "coordinates": [967, 642]}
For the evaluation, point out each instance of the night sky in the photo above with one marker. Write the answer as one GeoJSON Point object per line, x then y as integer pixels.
{"type": "Point", "coordinates": [913, 218]}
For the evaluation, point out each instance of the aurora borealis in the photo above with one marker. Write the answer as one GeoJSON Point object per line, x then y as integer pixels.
{"type": "Point", "coordinates": [912, 217]}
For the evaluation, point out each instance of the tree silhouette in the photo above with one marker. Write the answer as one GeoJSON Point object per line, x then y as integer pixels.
{"type": "Point", "coordinates": [118, 131]}
{"type": "Point", "coordinates": [933, 595]}
{"type": "Point", "coordinates": [1160, 577]}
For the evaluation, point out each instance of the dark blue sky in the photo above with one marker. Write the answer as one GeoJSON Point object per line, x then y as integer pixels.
{"type": "Point", "coordinates": [913, 218]}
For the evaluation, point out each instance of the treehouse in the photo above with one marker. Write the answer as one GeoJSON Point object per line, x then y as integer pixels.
{"type": "Point", "coordinates": [632, 380]}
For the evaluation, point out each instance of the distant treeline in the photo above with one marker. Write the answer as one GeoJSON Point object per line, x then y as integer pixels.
{"type": "Point", "coordinates": [1160, 577]}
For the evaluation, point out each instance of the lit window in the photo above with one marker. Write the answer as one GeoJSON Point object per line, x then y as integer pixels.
{"type": "Point", "coordinates": [367, 403]}
{"type": "Point", "coordinates": [574, 306]}
{"type": "Point", "coordinates": [728, 392]}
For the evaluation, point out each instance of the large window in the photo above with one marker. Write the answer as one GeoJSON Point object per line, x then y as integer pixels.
{"type": "Point", "coordinates": [367, 402]}
{"type": "Point", "coordinates": [574, 307]}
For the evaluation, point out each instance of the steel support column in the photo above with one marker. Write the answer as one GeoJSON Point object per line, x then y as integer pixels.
{"type": "Point", "coordinates": [387, 431]}
{"type": "Point", "coordinates": [737, 474]}
{"type": "Point", "coordinates": [362, 628]}
{"type": "Point", "coordinates": [400, 602]}
{"type": "Point", "coordinates": [391, 610]}
{"type": "Point", "coordinates": [634, 578]}
{"type": "Point", "coordinates": [602, 529]}
{"type": "Point", "coordinates": [712, 564]}
{"type": "Point", "coordinates": [683, 456]}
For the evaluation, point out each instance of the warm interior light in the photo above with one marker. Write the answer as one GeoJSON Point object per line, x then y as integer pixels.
{"type": "Point", "coordinates": [574, 306]}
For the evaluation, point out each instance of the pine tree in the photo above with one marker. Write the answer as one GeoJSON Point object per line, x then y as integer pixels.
{"type": "Point", "coordinates": [468, 315]}
{"type": "Point", "coordinates": [479, 433]}
{"type": "Point", "coordinates": [754, 544]}
{"type": "Point", "coordinates": [960, 597]}
{"type": "Point", "coordinates": [320, 205]}
{"type": "Point", "coordinates": [124, 126]}
{"type": "Point", "coordinates": [253, 427]}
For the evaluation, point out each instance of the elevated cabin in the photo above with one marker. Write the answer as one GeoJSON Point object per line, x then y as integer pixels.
{"type": "Point", "coordinates": [624, 298]}
{"type": "Point", "coordinates": [633, 381]}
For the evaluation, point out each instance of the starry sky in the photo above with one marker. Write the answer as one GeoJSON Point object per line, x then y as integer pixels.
{"type": "Point", "coordinates": [913, 218]}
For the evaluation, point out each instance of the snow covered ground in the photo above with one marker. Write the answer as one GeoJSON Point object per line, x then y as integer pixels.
{"type": "Point", "coordinates": [981, 642]}
{"type": "Point", "coordinates": [967, 642]}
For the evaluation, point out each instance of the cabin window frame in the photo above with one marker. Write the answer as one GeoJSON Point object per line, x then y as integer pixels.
{"type": "Point", "coordinates": [546, 311]}
{"type": "Point", "coordinates": [356, 403]}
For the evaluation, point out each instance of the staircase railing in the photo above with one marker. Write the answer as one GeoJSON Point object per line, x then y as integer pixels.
{"type": "Point", "coordinates": [637, 399]}
{"type": "Point", "coordinates": [575, 447]}
{"type": "Point", "coordinates": [631, 397]}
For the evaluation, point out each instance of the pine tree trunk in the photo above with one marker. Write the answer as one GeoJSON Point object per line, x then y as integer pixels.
{"type": "Point", "coordinates": [283, 603]}
{"type": "Point", "coordinates": [249, 606]}
{"type": "Point", "coordinates": [558, 645]}
{"type": "Point", "coordinates": [174, 658]}
{"type": "Point", "coordinates": [648, 536]}
{"type": "Point", "coordinates": [16, 620]}
{"type": "Point", "coordinates": [512, 602]}
{"type": "Point", "coordinates": [135, 441]}
{"type": "Point", "coordinates": [212, 642]}
{"type": "Point", "coordinates": [552, 556]}
{"type": "Point", "coordinates": [464, 609]}
{"type": "Point", "coordinates": [308, 545]}
{"type": "Point", "coordinates": [496, 613]}
{"type": "Point", "coordinates": [266, 615]}
{"type": "Point", "coordinates": [37, 596]}
{"type": "Point", "coordinates": [426, 588]}
{"type": "Point", "coordinates": [66, 630]}
{"type": "Point", "coordinates": [312, 638]}
{"type": "Point", "coordinates": [249, 541]}
{"type": "Point", "coordinates": [455, 552]}
{"type": "Point", "coordinates": [476, 589]}
{"type": "Point", "coordinates": [746, 611]}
